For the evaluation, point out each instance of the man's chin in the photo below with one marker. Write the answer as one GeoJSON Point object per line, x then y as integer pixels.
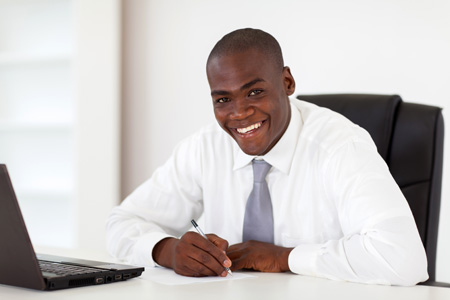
{"type": "Point", "coordinates": [253, 150]}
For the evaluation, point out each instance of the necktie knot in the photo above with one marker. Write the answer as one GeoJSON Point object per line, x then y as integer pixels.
{"type": "Point", "coordinates": [260, 170]}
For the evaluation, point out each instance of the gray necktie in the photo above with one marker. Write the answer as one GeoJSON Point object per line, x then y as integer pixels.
{"type": "Point", "coordinates": [258, 220]}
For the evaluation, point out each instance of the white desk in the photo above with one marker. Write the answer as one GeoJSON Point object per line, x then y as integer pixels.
{"type": "Point", "coordinates": [263, 286]}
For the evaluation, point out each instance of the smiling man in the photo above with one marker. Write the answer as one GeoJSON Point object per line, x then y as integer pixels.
{"type": "Point", "coordinates": [326, 204]}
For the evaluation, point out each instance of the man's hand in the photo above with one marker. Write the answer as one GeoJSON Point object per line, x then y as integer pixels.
{"type": "Point", "coordinates": [259, 256]}
{"type": "Point", "coordinates": [193, 255]}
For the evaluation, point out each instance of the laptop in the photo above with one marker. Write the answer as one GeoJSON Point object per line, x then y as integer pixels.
{"type": "Point", "coordinates": [21, 266]}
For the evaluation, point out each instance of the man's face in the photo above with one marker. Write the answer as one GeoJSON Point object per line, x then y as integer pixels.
{"type": "Point", "coordinates": [250, 99]}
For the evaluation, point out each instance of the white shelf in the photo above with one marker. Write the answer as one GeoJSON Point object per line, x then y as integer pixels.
{"type": "Point", "coordinates": [28, 127]}
{"type": "Point", "coordinates": [58, 193]}
{"type": "Point", "coordinates": [18, 58]}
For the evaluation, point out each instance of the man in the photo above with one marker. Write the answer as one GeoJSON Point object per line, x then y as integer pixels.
{"type": "Point", "coordinates": [334, 209]}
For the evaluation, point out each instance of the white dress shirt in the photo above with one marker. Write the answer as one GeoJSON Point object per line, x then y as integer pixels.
{"type": "Point", "coordinates": [333, 200]}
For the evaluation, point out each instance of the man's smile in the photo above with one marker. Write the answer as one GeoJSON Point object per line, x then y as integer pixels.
{"type": "Point", "coordinates": [249, 129]}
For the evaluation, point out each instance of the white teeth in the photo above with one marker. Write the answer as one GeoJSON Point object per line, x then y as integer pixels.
{"type": "Point", "coordinates": [251, 127]}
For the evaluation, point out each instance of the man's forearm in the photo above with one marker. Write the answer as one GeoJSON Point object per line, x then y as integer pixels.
{"type": "Point", "coordinates": [390, 253]}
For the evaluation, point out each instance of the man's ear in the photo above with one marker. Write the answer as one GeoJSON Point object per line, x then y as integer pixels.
{"type": "Point", "coordinates": [289, 82]}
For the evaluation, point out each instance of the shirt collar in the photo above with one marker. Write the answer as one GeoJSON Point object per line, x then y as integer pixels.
{"type": "Point", "coordinates": [281, 155]}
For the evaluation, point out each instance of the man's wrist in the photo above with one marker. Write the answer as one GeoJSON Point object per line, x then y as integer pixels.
{"type": "Point", "coordinates": [284, 259]}
{"type": "Point", "coordinates": [162, 252]}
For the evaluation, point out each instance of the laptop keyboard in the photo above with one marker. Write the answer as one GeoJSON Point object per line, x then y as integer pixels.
{"type": "Point", "coordinates": [66, 269]}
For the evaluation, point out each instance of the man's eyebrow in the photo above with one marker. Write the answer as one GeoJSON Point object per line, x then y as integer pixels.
{"type": "Point", "coordinates": [244, 87]}
{"type": "Point", "coordinates": [249, 84]}
{"type": "Point", "coordinates": [219, 93]}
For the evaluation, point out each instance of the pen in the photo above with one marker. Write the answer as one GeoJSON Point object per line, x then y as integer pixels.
{"type": "Point", "coordinates": [200, 231]}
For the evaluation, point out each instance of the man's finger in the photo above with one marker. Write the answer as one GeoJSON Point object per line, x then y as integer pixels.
{"type": "Point", "coordinates": [219, 242]}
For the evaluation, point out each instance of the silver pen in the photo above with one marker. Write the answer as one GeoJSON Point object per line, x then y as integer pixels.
{"type": "Point", "coordinates": [200, 231]}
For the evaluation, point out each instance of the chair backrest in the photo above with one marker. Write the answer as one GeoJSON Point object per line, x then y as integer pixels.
{"type": "Point", "coordinates": [410, 138]}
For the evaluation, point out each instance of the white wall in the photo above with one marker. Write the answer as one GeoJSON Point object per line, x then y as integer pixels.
{"type": "Point", "coordinates": [97, 93]}
{"type": "Point", "coordinates": [384, 46]}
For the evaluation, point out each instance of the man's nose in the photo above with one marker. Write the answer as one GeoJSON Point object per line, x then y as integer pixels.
{"type": "Point", "coordinates": [241, 109]}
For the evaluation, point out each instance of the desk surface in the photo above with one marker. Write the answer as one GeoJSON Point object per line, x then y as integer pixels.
{"type": "Point", "coordinates": [262, 286]}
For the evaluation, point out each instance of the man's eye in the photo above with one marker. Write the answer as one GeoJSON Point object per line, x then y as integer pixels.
{"type": "Point", "coordinates": [222, 100]}
{"type": "Point", "coordinates": [255, 92]}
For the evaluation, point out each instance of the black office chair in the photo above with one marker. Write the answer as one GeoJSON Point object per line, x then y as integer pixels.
{"type": "Point", "coordinates": [410, 138]}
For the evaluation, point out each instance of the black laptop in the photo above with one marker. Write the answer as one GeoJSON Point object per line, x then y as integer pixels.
{"type": "Point", "coordinates": [20, 266]}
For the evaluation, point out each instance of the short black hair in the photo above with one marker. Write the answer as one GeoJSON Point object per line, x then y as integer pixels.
{"type": "Point", "coordinates": [248, 38]}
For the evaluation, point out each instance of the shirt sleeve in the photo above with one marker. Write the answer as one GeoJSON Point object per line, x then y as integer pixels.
{"type": "Point", "coordinates": [380, 242]}
{"type": "Point", "coordinates": [158, 208]}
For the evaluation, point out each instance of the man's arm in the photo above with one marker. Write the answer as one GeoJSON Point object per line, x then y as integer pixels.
{"type": "Point", "coordinates": [388, 253]}
{"type": "Point", "coordinates": [160, 208]}
{"type": "Point", "coordinates": [380, 242]}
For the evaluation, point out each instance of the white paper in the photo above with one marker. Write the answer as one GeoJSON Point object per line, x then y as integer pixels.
{"type": "Point", "coordinates": [169, 277]}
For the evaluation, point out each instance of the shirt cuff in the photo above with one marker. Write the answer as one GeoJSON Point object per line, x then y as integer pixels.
{"type": "Point", "coordinates": [143, 249]}
{"type": "Point", "coordinates": [302, 259]}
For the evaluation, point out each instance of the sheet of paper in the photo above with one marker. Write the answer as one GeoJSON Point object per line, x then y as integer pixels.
{"type": "Point", "coordinates": [169, 277]}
